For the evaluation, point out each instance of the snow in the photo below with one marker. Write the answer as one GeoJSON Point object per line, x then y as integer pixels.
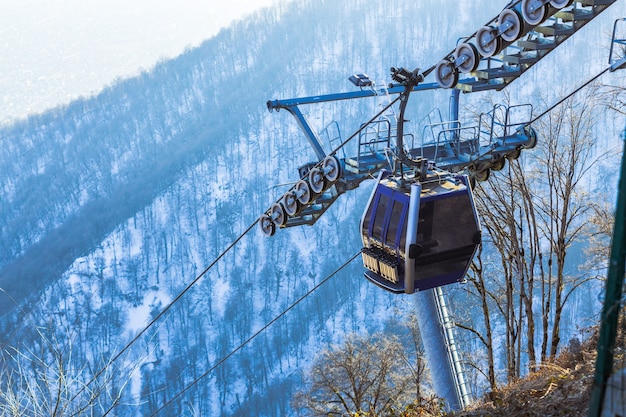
{"type": "Point", "coordinates": [139, 317]}
{"type": "Point", "coordinates": [220, 288]}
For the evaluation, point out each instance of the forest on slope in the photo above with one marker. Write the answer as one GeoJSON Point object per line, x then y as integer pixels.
{"type": "Point", "coordinates": [113, 204]}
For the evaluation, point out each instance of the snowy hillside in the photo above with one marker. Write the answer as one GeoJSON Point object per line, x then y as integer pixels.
{"type": "Point", "coordinates": [112, 205]}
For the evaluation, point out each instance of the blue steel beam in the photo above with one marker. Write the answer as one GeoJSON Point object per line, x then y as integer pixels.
{"type": "Point", "coordinates": [311, 136]}
{"type": "Point", "coordinates": [292, 102]}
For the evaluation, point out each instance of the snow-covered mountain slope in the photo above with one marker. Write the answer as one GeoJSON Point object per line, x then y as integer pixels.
{"type": "Point", "coordinates": [112, 205]}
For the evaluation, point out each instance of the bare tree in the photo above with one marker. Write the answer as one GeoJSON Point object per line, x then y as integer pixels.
{"type": "Point", "coordinates": [364, 375]}
{"type": "Point", "coordinates": [505, 206]}
{"type": "Point", "coordinates": [566, 155]}
{"type": "Point", "coordinates": [508, 215]}
{"type": "Point", "coordinates": [45, 380]}
{"type": "Point", "coordinates": [614, 97]}
{"type": "Point", "coordinates": [532, 212]}
{"type": "Point", "coordinates": [416, 365]}
{"type": "Point", "coordinates": [601, 228]}
{"type": "Point", "coordinates": [478, 288]}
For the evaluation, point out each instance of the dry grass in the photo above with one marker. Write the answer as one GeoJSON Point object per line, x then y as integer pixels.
{"type": "Point", "coordinates": [558, 388]}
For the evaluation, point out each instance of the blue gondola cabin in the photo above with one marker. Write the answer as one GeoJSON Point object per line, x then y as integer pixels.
{"type": "Point", "coordinates": [419, 235]}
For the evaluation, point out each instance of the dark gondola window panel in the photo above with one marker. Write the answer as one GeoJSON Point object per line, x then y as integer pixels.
{"type": "Point", "coordinates": [446, 233]}
{"type": "Point", "coordinates": [397, 223]}
{"type": "Point", "coordinates": [379, 217]}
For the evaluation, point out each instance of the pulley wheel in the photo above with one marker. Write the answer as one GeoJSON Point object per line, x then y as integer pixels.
{"type": "Point", "coordinates": [303, 192]}
{"type": "Point", "coordinates": [534, 11]}
{"type": "Point", "coordinates": [511, 156]}
{"type": "Point", "coordinates": [532, 137]}
{"type": "Point", "coordinates": [332, 168]}
{"type": "Point", "coordinates": [278, 215]}
{"type": "Point", "coordinates": [515, 24]}
{"type": "Point", "coordinates": [488, 42]}
{"type": "Point", "coordinates": [498, 163]}
{"type": "Point", "coordinates": [559, 4]}
{"type": "Point", "coordinates": [482, 176]}
{"type": "Point", "coordinates": [316, 180]}
{"type": "Point", "coordinates": [447, 76]}
{"type": "Point", "coordinates": [291, 204]}
{"type": "Point", "coordinates": [469, 53]}
{"type": "Point", "coordinates": [267, 225]}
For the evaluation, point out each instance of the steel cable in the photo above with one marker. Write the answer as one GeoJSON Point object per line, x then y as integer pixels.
{"type": "Point", "coordinates": [558, 103]}
{"type": "Point", "coordinates": [261, 330]}
{"type": "Point", "coordinates": [162, 312]}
